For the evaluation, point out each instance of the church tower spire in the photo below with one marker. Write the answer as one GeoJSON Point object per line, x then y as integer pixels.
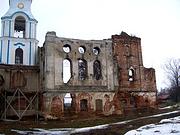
{"type": "Point", "coordinates": [18, 43]}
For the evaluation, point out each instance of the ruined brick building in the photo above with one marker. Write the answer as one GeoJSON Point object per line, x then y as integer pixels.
{"type": "Point", "coordinates": [94, 76]}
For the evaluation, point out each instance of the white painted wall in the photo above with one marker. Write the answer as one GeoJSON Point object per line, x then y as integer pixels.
{"type": "Point", "coordinates": [10, 43]}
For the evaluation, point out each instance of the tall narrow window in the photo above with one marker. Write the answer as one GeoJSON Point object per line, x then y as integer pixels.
{"type": "Point", "coordinates": [66, 70]}
{"type": "Point", "coordinates": [19, 56]}
{"type": "Point", "coordinates": [19, 27]}
{"type": "Point", "coordinates": [97, 70]}
{"type": "Point", "coordinates": [82, 66]}
{"type": "Point", "coordinates": [131, 74]}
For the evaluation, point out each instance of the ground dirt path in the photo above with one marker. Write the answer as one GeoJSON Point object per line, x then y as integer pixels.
{"type": "Point", "coordinates": [119, 124]}
{"type": "Point", "coordinates": [120, 128]}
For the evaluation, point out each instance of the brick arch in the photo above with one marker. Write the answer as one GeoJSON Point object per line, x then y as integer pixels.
{"type": "Point", "coordinates": [82, 97]}
{"type": "Point", "coordinates": [56, 106]}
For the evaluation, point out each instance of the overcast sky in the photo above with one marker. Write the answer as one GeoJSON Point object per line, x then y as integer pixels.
{"type": "Point", "coordinates": [156, 22]}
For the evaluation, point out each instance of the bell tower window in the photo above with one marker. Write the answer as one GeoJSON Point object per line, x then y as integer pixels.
{"type": "Point", "coordinates": [19, 56]}
{"type": "Point", "coordinates": [19, 27]}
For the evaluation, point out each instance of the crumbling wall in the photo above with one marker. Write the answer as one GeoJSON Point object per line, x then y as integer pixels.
{"type": "Point", "coordinates": [137, 84]}
{"type": "Point", "coordinates": [92, 81]}
{"type": "Point", "coordinates": [18, 76]}
{"type": "Point", "coordinates": [149, 79]}
{"type": "Point", "coordinates": [54, 54]}
{"type": "Point", "coordinates": [106, 76]}
{"type": "Point", "coordinates": [95, 102]}
{"type": "Point", "coordinates": [127, 53]}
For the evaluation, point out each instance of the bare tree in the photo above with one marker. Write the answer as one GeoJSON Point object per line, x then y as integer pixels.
{"type": "Point", "coordinates": [172, 69]}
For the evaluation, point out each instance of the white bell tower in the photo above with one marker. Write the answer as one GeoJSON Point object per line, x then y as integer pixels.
{"type": "Point", "coordinates": [18, 43]}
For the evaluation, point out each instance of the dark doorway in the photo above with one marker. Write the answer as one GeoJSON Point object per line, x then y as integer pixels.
{"type": "Point", "coordinates": [84, 105]}
{"type": "Point", "coordinates": [99, 105]}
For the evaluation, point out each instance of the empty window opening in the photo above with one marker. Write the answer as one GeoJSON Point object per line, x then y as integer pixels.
{"type": "Point", "coordinates": [19, 56]}
{"type": "Point", "coordinates": [67, 101]}
{"type": "Point", "coordinates": [67, 68]}
{"type": "Point", "coordinates": [19, 27]}
{"type": "Point", "coordinates": [82, 49]}
{"type": "Point", "coordinates": [84, 105]}
{"type": "Point", "coordinates": [131, 74]}
{"type": "Point", "coordinates": [82, 66]}
{"type": "Point", "coordinates": [99, 105]}
{"type": "Point", "coordinates": [96, 50]}
{"type": "Point", "coordinates": [97, 70]}
{"type": "Point", "coordinates": [66, 48]}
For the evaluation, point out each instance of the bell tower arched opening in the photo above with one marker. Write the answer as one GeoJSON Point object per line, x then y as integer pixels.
{"type": "Point", "coordinates": [20, 27]}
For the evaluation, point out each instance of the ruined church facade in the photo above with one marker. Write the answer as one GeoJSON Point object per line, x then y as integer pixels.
{"type": "Point", "coordinates": [104, 76]}
{"type": "Point", "coordinates": [68, 75]}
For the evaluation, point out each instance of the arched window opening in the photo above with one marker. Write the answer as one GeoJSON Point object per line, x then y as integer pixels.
{"type": "Point", "coordinates": [96, 50]}
{"type": "Point", "coordinates": [66, 48]}
{"type": "Point", "coordinates": [67, 101]}
{"type": "Point", "coordinates": [82, 49]}
{"type": "Point", "coordinates": [84, 105]}
{"type": "Point", "coordinates": [19, 27]}
{"type": "Point", "coordinates": [82, 66]}
{"type": "Point", "coordinates": [19, 56]}
{"type": "Point", "coordinates": [67, 70]}
{"type": "Point", "coordinates": [97, 70]}
{"type": "Point", "coordinates": [131, 74]}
